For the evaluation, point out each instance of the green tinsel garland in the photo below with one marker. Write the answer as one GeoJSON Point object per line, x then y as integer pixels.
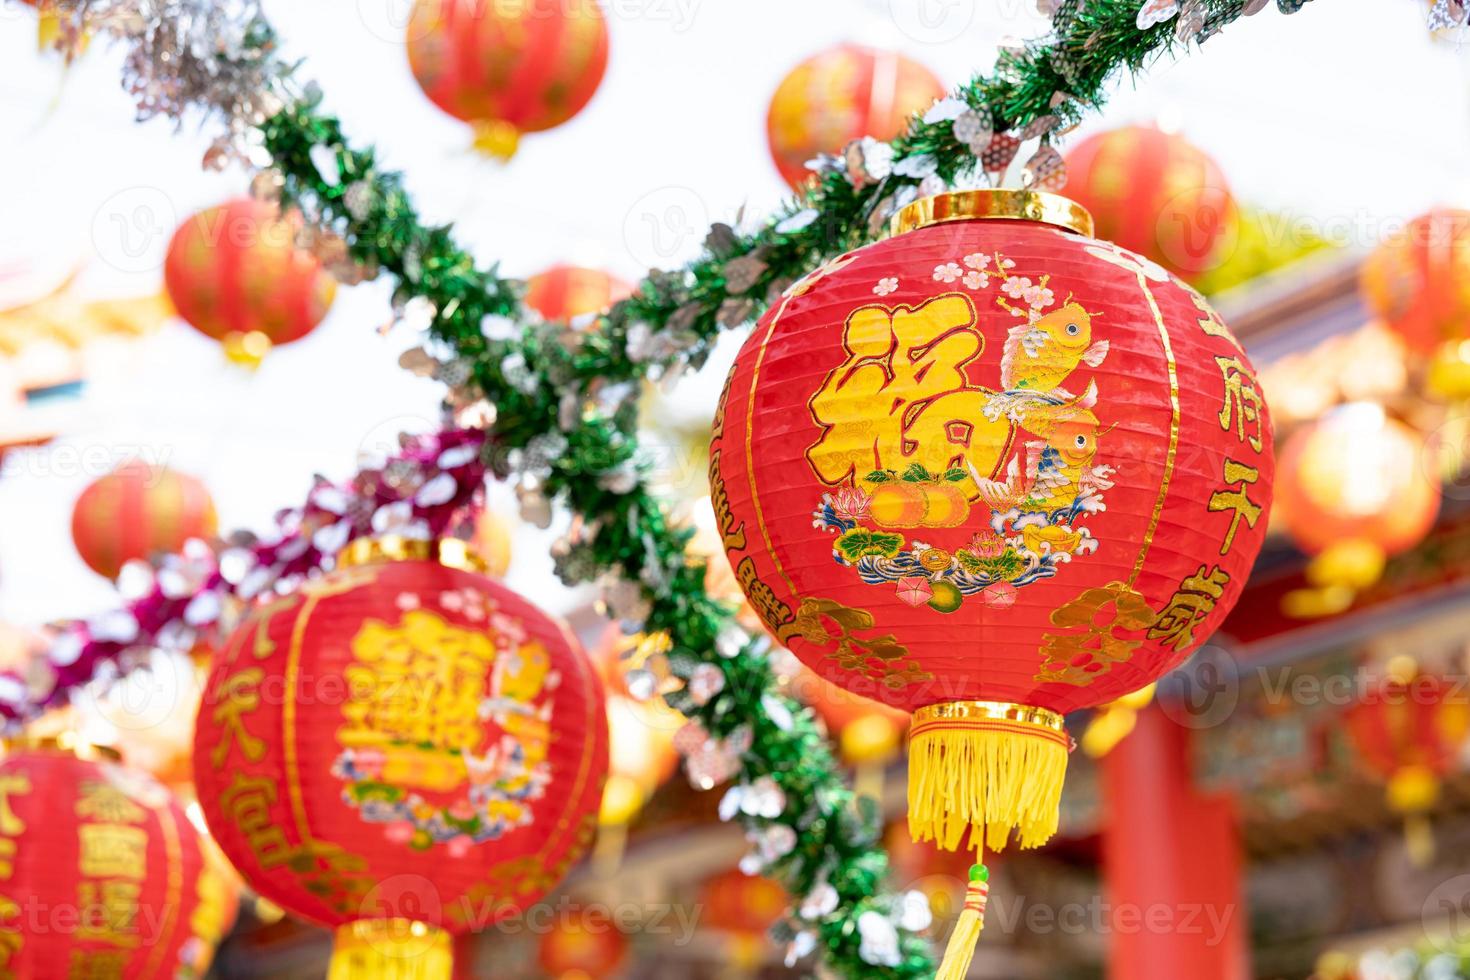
{"type": "Point", "coordinates": [669, 323]}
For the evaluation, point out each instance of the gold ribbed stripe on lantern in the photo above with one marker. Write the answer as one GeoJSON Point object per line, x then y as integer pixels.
{"type": "Point", "coordinates": [989, 767]}
{"type": "Point", "coordinates": [391, 949]}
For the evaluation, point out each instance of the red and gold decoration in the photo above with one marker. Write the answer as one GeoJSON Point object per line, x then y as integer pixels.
{"type": "Point", "coordinates": [990, 471]}
{"type": "Point", "coordinates": [840, 95]}
{"type": "Point", "coordinates": [1157, 194]}
{"type": "Point", "coordinates": [565, 292]}
{"type": "Point", "coordinates": [1408, 731]}
{"type": "Point", "coordinates": [508, 69]}
{"type": "Point", "coordinates": [111, 850]}
{"type": "Point", "coordinates": [1355, 489]}
{"type": "Point", "coordinates": [236, 274]}
{"type": "Point", "coordinates": [581, 949]}
{"type": "Point", "coordinates": [403, 750]}
{"type": "Point", "coordinates": [1418, 280]}
{"type": "Point", "coordinates": [136, 511]}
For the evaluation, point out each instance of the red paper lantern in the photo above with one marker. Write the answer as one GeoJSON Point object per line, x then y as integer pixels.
{"type": "Point", "coordinates": [991, 472]}
{"type": "Point", "coordinates": [1156, 194]}
{"type": "Point", "coordinates": [578, 949]}
{"type": "Point", "coordinates": [565, 292]}
{"type": "Point", "coordinates": [1419, 279]}
{"type": "Point", "coordinates": [136, 511]}
{"type": "Point", "coordinates": [235, 274]}
{"type": "Point", "coordinates": [402, 750]}
{"type": "Point", "coordinates": [840, 95]}
{"type": "Point", "coordinates": [1354, 490]}
{"type": "Point", "coordinates": [104, 875]}
{"type": "Point", "coordinates": [1408, 731]}
{"type": "Point", "coordinates": [744, 907]}
{"type": "Point", "coordinates": [508, 68]}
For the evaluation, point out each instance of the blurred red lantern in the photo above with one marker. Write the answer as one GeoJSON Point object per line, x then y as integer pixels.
{"type": "Point", "coordinates": [402, 750]}
{"type": "Point", "coordinates": [565, 292]}
{"type": "Point", "coordinates": [136, 511]}
{"type": "Point", "coordinates": [991, 472]}
{"type": "Point", "coordinates": [840, 95]}
{"type": "Point", "coordinates": [235, 274]}
{"type": "Point", "coordinates": [1408, 731]}
{"type": "Point", "coordinates": [1156, 194]}
{"type": "Point", "coordinates": [576, 949]}
{"type": "Point", "coordinates": [744, 907]}
{"type": "Point", "coordinates": [1353, 490]}
{"type": "Point", "coordinates": [508, 68]}
{"type": "Point", "coordinates": [1418, 280]}
{"type": "Point", "coordinates": [105, 876]}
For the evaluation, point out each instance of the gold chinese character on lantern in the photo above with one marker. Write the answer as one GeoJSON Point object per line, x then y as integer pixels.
{"type": "Point", "coordinates": [1242, 406]}
{"type": "Point", "coordinates": [1092, 644]}
{"type": "Point", "coordinates": [1235, 501]}
{"type": "Point", "coordinates": [237, 695]}
{"type": "Point", "coordinates": [112, 851]}
{"type": "Point", "coordinates": [109, 911]}
{"type": "Point", "coordinates": [106, 803]}
{"type": "Point", "coordinates": [1194, 601]}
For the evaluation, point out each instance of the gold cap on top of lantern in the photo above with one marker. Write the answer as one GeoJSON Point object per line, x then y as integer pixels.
{"type": "Point", "coordinates": [66, 743]}
{"type": "Point", "coordinates": [449, 552]}
{"type": "Point", "coordinates": [1005, 204]}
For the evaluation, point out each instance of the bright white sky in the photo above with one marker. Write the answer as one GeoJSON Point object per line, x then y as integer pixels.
{"type": "Point", "coordinates": [1344, 112]}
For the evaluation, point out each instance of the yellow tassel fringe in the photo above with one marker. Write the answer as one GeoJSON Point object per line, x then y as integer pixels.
{"type": "Point", "coordinates": [961, 948]}
{"type": "Point", "coordinates": [988, 767]}
{"type": "Point", "coordinates": [391, 949]}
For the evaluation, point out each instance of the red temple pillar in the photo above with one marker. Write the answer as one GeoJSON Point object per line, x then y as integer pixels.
{"type": "Point", "coordinates": [1171, 862]}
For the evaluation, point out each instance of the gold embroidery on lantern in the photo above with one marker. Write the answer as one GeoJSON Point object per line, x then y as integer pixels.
{"type": "Point", "coordinates": [732, 534]}
{"type": "Point", "coordinates": [1243, 406]}
{"type": "Point", "coordinates": [854, 653]}
{"type": "Point", "coordinates": [235, 696]}
{"type": "Point", "coordinates": [762, 598]}
{"type": "Point", "coordinates": [1092, 645]}
{"type": "Point", "coordinates": [97, 964]}
{"type": "Point", "coordinates": [1209, 320]}
{"type": "Point", "coordinates": [247, 803]}
{"type": "Point", "coordinates": [12, 784]}
{"type": "Point", "coordinates": [109, 911]}
{"type": "Point", "coordinates": [1193, 602]}
{"type": "Point", "coordinates": [112, 851]}
{"type": "Point", "coordinates": [97, 800]}
{"type": "Point", "coordinates": [1235, 501]}
{"type": "Point", "coordinates": [418, 753]}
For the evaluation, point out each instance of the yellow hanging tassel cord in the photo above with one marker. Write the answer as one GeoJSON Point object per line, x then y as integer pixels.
{"type": "Point", "coordinates": [966, 934]}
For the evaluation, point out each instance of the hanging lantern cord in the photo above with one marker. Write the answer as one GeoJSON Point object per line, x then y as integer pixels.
{"type": "Point", "coordinates": [961, 948]}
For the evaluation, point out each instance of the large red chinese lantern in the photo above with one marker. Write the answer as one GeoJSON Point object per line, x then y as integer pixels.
{"type": "Point", "coordinates": [1353, 491]}
{"type": "Point", "coordinates": [1408, 731]}
{"type": "Point", "coordinates": [991, 471]}
{"type": "Point", "coordinates": [402, 750]}
{"type": "Point", "coordinates": [136, 511]}
{"type": "Point", "coordinates": [508, 68]}
{"type": "Point", "coordinates": [103, 874]}
{"type": "Point", "coordinates": [840, 95]}
{"type": "Point", "coordinates": [565, 292]}
{"type": "Point", "coordinates": [1418, 280]}
{"type": "Point", "coordinates": [235, 274]}
{"type": "Point", "coordinates": [1157, 194]}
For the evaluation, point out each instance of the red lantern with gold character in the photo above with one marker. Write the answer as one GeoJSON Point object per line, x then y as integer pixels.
{"type": "Point", "coordinates": [840, 95]}
{"type": "Point", "coordinates": [235, 274]}
{"type": "Point", "coordinates": [1408, 731]}
{"type": "Point", "coordinates": [1418, 280]}
{"type": "Point", "coordinates": [506, 68]}
{"type": "Point", "coordinates": [102, 873]}
{"type": "Point", "coordinates": [402, 750]}
{"type": "Point", "coordinates": [991, 470]}
{"type": "Point", "coordinates": [577, 949]}
{"type": "Point", "coordinates": [565, 292]}
{"type": "Point", "coordinates": [136, 511]}
{"type": "Point", "coordinates": [1157, 194]}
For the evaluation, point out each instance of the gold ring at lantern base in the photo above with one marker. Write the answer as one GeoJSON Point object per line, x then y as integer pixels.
{"type": "Point", "coordinates": [391, 949]}
{"type": "Point", "coordinates": [987, 767]}
{"type": "Point", "coordinates": [1006, 205]}
{"type": "Point", "coordinates": [449, 552]}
